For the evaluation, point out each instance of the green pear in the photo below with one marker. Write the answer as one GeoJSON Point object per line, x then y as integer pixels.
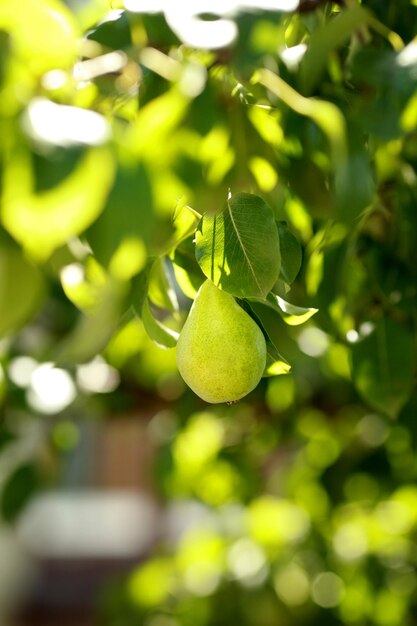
{"type": "Point", "coordinates": [221, 351]}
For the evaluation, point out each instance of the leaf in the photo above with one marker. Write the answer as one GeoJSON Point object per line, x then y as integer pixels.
{"type": "Point", "coordinates": [327, 39]}
{"type": "Point", "coordinates": [160, 289]}
{"type": "Point", "coordinates": [291, 255]}
{"type": "Point", "coordinates": [326, 115]}
{"type": "Point", "coordinates": [140, 286]}
{"type": "Point", "coordinates": [238, 248]}
{"type": "Point", "coordinates": [21, 289]}
{"type": "Point", "coordinates": [291, 314]}
{"type": "Point", "coordinates": [188, 273]}
{"type": "Point", "coordinates": [275, 362]}
{"type": "Point", "coordinates": [163, 336]}
{"type": "Point", "coordinates": [185, 222]}
{"type": "Point", "coordinates": [45, 34]}
{"type": "Point", "coordinates": [383, 366]}
{"type": "Point", "coordinates": [129, 212]}
{"type": "Point", "coordinates": [43, 221]}
{"type": "Point", "coordinates": [17, 491]}
{"type": "Point", "coordinates": [92, 332]}
{"type": "Point", "coordinates": [114, 34]}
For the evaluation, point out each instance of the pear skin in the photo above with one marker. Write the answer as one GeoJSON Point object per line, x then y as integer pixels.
{"type": "Point", "coordinates": [221, 351]}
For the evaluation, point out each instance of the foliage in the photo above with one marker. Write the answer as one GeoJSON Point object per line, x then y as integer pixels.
{"type": "Point", "coordinates": [274, 153]}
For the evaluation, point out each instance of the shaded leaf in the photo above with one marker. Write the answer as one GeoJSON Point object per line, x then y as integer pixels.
{"type": "Point", "coordinates": [92, 332]}
{"type": "Point", "coordinates": [17, 491]}
{"type": "Point", "coordinates": [291, 255]}
{"type": "Point", "coordinates": [325, 40]}
{"type": "Point", "coordinates": [275, 362]}
{"type": "Point", "coordinates": [383, 366]}
{"type": "Point", "coordinates": [238, 248]}
{"type": "Point", "coordinates": [159, 333]}
{"type": "Point", "coordinates": [140, 286]}
{"type": "Point", "coordinates": [128, 213]}
{"type": "Point", "coordinates": [160, 289]}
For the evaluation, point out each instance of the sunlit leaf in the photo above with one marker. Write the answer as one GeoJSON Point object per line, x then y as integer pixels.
{"type": "Point", "coordinates": [291, 314]}
{"type": "Point", "coordinates": [43, 221]}
{"type": "Point", "coordinates": [383, 366]}
{"type": "Point", "coordinates": [188, 273]}
{"type": "Point", "coordinates": [21, 289]}
{"type": "Point", "coordinates": [238, 248]}
{"type": "Point", "coordinates": [326, 115]}
{"type": "Point", "coordinates": [45, 34]}
{"type": "Point", "coordinates": [275, 362]}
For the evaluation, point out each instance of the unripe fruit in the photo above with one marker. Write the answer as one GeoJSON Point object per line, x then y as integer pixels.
{"type": "Point", "coordinates": [221, 351]}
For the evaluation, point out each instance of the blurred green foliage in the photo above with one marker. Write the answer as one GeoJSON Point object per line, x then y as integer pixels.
{"type": "Point", "coordinates": [118, 132]}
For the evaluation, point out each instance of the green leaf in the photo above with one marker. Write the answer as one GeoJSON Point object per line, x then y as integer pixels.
{"type": "Point", "coordinates": [325, 40]}
{"type": "Point", "coordinates": [184, 222]}
{"type": "Point", "coordinates": [128, 213]}
{"type": "Point", "coordinates": [275, 362]}
{"type": "Point", "coordinates": [291, 254]}
{"type": "Point", "coordinates": [294, 315]}
{"type": "Point", "coordinates": [140, 286]}
{"type": "Point", "coordinates": [238, 248]}
{"type": "Point", "coordinates": [383, 366]}
{"type": "Point", "coordinates": [21, 289]}
{"type": "Point", "coordinates": [45, 34]}
{"type": "Point", "coordinates": [17, 491]}
{"type": "Point", "coordinates": [187, 271]}
{"type": "Point", "coordinates": [163, 336]}
{"type": "Point", "coordinates": [159, 333]}
{"type": "Point", "coordinates": [92, 332]}
{"type": "Point", "coordinates": [113, 34]}
{"type": "Point", "coordinates": [160, 289]}
{"type": "Point", "coordinates": [43, 221]}
{"type": "Point", "coordinates": [291, 314]}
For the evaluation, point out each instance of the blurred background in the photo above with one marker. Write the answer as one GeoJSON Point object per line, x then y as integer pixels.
{"type": "Point", "coordinates": [126, 500]}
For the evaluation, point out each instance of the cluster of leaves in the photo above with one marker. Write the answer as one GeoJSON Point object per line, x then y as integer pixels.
{"type": "Point", "coordinates": [135, 162]}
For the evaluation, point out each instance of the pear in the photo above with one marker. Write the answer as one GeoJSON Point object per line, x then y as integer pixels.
{"type": "Point", "coordinates": [221, 351]}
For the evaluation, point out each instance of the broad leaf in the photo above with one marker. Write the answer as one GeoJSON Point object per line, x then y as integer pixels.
{"type": "Point", "coordinates": [383, 366]}
{"type": "Point", "coordinates": [21, 289]}
{"type": "Point", "coordinates": [291, 314]}
{"type": "Point", "coordinates": [20, 486]}
{"type": "Point", "coordinates": [159, 333]}
{"type": "Point", "coordinates": [43, 221]}
{"type": "Point", "coordinates": [238, 248]}
{"type": "Point", "coordinates": [128, 213]}
{"type": "Point", "coordinates": [294, 315]}
{"type": "Point", "coordinates": [187, 271]}
{"type": "Point", "coordinates": [275, 362]}
{"type": "Point", "coordinates": [325, 40]}
{"type": "Point", "coordinates": [140, 286]}
{"type": "Point", "coordinates": [291, 255]}
{"type": "Point", "coordinates": [92, 332]}
{"type": "Point", "coordinates": [160, 290]}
